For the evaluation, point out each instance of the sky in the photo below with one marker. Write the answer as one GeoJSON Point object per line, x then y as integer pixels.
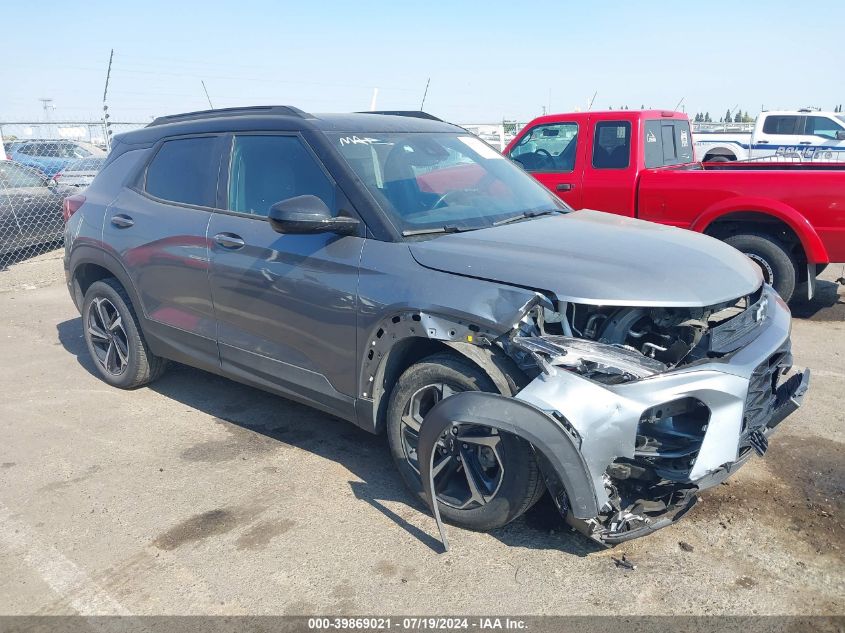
{"type": "Point", "coordinates": [486, 61]}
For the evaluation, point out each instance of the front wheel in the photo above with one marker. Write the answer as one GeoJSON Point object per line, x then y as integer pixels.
{"type": "Point", "coordinates": [483, 479]}
{"type": "Point", "coordinates": [772, 257]}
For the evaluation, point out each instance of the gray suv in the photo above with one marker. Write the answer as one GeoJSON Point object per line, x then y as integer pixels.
{"type": "Point", "coordinates": [396, 271]}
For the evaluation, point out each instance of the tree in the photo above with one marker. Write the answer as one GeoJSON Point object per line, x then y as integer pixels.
{"type": "Point", "coordinates": [747, 118]}
{"type": "Point", "coordinates": [707, 118]}
{"type": "Point", "coordinates": [738, 117]}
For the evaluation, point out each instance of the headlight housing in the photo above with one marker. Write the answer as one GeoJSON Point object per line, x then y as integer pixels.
{"type": "Point", "coordinates": [589, 357]}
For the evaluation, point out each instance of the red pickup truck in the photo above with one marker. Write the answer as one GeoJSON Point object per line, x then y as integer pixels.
{"type": "Point", "coordinates": [788, 217]}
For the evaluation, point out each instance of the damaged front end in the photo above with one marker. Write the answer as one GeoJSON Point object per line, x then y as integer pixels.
{"type": "Point", "coordinates": [633, 410]}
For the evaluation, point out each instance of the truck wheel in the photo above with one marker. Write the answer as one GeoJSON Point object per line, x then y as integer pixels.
{"type": "Point", "coordinates": [717, 159]}
{"type": "Point", "coordinates": [495, 481]}
{"type": "Point", "coordinates": [114, 338]}
{"type": "Point", "coordinates": [774, 260]}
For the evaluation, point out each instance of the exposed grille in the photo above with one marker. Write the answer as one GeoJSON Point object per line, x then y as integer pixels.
{"type": "Point", "coordinates": [731, 334]}
{"type": "Point", "coordinates": [760, 403]}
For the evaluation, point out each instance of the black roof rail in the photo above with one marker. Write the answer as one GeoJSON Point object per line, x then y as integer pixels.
{"type": "Point", "coordinates": [226, 112]}
{"type": "Point", "coordinates": [416, 114]}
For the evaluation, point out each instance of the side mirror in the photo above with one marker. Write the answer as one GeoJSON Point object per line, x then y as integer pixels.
{"type": "Point", "coordinates": [308, 214]}
{"type": "Point", "coordinates": [840, 135]}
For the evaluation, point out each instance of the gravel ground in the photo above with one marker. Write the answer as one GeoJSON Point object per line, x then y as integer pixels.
{"type": "Point", "coordinates": [201, 496]}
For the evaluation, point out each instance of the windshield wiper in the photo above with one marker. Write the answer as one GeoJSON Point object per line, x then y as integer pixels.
{"type": "Point", "coordinates": [525, 215]}
{"type": "Point", "coordinates": [449, 228]}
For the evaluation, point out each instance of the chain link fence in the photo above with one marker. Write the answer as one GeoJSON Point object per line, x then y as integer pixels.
{"type": "Point", "coordinates": [41, 164]}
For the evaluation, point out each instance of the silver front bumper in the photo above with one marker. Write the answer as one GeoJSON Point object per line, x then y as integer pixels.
{"type": "Point", "coordinates": [607, 417]}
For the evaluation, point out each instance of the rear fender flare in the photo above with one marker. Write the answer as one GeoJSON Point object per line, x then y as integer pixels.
{"type": "Point", "coordinates": [812, 244]}
{"type": "Point", "coordinates": [85, 254]}
{"type": "Point", "coordinates": [547, 435]}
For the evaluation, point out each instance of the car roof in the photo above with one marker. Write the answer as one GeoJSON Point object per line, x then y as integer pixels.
{"type": "Point", "coordinates": [286, 118]}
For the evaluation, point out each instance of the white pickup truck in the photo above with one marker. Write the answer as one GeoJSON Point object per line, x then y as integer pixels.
{"type": "Point", "coordinates": [793, 134]}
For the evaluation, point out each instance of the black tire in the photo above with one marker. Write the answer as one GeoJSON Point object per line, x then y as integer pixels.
{"type": "Point", "coordinates": [521, 483]}
{"type": "Point", "coordinates": [718, 159]}
{"type": "Point", "coordinates": [778, 266]}
{"type": "Point", "coordinates": [140, 366]}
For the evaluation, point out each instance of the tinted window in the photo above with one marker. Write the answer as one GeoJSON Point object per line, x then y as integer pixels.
{"type": "Point", "coordinates": [548, 148]}
{"type": "Point", "coordinates": [184, 170]}
{"type": "Point", "coordinates": [268, 169]}
{"type": "Point", "coordinates": [667, 142]}
{"type": "Point", "coordinates": [781, 125]}
{"type": "Point", "coordinates": [822, 126]}
{"type": "Point", "coordinates": [612, 145]}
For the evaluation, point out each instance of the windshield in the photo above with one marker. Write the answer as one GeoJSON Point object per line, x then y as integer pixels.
{"type": "Point", "coordinates": [427, 180]}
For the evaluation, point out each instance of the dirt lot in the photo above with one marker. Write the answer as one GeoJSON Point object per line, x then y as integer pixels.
{"type": "Point", "coordinates": [199, 495]}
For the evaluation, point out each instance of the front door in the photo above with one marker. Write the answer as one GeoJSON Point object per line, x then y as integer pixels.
{"type": "Point", "coordinates": [549, 152]}
{"type": "Point", "coordinates": [285, 304]}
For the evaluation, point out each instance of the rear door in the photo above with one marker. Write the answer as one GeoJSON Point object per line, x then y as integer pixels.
{"type": "Point", "coordinates": [285, 303]}
{"type": "Point", "coordinates": [157, 228]}
{"type": "Point", "coordinates": [780, 134]}
{"type": "Point", "coordinates": [549, 152]}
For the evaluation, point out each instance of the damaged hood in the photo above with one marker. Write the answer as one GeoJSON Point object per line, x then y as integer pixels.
{"type": "Point", "coordinates": [598, 258]}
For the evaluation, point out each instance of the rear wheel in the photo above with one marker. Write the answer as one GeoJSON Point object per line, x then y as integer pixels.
{"type": "Point", "coordinates": [484, 479]}
{"type": "Point", "coordinates": [773, 258]}
{"type": "Point", "coordinates": [717, 159]}
{"type": "Point", "coordinates": [114, 338]}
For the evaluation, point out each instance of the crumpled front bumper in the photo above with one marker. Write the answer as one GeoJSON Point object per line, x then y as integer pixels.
{"type": "Point", "coordinates": [746, 395]}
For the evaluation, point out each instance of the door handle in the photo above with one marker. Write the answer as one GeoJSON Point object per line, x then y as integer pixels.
{"type": "Point", "coordinates": [565, 186]}
{"type": "Point", "coordinates": [805, 143]}
{"type": "Point", "coordinates": [122, 221]}
{"type": "Point", "coordinates": [229, 240]}
{"type": "Point", "coordinates": [763, 142]}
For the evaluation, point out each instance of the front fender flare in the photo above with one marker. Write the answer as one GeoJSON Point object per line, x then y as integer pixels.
{"type": "Point", "coordinates": [546, 434]}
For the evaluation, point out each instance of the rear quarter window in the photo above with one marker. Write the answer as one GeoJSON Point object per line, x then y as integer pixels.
{"type": "Point", "coordinates": [184, 171]}
{"type": "Point", "coordinates": [667, 142]}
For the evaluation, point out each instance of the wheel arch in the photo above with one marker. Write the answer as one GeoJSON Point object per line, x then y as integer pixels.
{"type": "Point", "coordinates": [89, 264]}
{"type": "Point", "coordinates": [407, 337]}
{"type": "Point", "coordinates": [726, 218]}
{"type": "Point", "coordinates": [727, 152]}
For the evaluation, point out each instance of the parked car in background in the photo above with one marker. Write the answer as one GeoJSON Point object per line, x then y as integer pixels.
{"type": "Point", "coordinates": [787, 217]}
{"type": "Point", "coordinates": [50, 157]}
{"type": "Point", "coordinates": [793, 134]}
{"type": "Point", "coordinates": [30, 207]}
{"type": "Point", "coordinates": [400, 273]}
{"type": "Point", "coordinates": [80, 173]}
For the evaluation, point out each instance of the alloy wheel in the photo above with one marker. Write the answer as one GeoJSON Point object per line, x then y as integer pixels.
{"type": "Point", "coordinates": [108, 336]}
{"type": "Point", "coordinates": [468, 465]}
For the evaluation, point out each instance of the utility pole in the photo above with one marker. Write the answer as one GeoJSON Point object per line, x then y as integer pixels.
{"type": "Point", "coordinates": [47, 105]}
{"type": "Point", "coordinates": [106, 125]}
{"type": "Point", "coordinates": [206, 94]}
{"type": "Point", "coordinates": [425, 94]}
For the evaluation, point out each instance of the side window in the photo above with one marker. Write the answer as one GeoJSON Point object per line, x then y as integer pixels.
{"type": "Point", "coordinates": [12, 176]}
{"type": "Point", "coordinates": [268, 169]}
{"type": "Point", "coordinates": [612, 145]}
{"type": "Point", "coordinates": [548, 147]}
{"type": "Point", "coordinates": [185, 170]}
{"type": "Point", "coordinates": [781, 125]}
{"type": "Point", "coordinates": [822, 126]}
